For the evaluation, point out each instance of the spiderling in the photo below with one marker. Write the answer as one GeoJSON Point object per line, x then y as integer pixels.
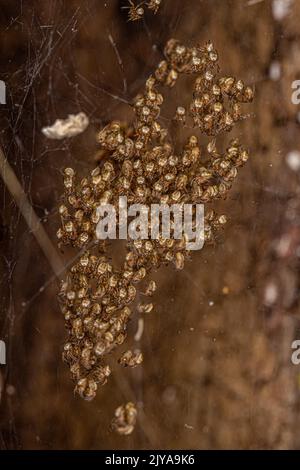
{"type": "Point", "coordinates": [137, 11]}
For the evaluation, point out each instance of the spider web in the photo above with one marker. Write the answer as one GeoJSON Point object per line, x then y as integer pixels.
{"type": "Point", "coordinates": [63, 58]}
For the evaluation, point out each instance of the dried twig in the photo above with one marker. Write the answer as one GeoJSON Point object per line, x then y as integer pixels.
{"type": "Point", "coordinates": [13, 185]}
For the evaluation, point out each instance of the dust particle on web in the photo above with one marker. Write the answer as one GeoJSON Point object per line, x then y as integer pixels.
{"type": "Point", "coordinates": [281, 8]}
{"type": "Point", "coordinates": [293, 160]}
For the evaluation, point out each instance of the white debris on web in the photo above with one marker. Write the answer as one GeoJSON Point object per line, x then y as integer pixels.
{"type": "Point", "coordinates": [140, 330]}
{"type": "Point", "coordinates": [253, 2]}
{"type": "Point", "coordinates": [271, 294]}
{"type": "Point", "coordinates": [275, 71]}
{"type": "Point", "coordinates": [64, 128]}
{"type": "Point", "coordinates": [281, 8]}
{"type": "Point", "coordinates": [293, 160]}
{"type": "Point", "coordinates": [188, 426]}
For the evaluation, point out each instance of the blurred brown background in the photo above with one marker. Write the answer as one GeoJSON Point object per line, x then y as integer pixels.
{"type": "Point", "coordinates": [217, 370]}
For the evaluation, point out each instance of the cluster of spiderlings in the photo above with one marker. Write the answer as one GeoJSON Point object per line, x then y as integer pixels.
{"type": "Point", "coordinates": [131, 358]}
{"type": "Point", "coordinates": [140, 162]}
{"type": "Point", "coordinates": [216, 103]}
{"type": "Point", "coordinates": [137, 10]}
{"type": "Point", "coordinates": [125, 419]}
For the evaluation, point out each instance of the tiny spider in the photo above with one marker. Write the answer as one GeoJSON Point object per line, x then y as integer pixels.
{"type": "Point", "coordinates": [136, 12]}
{"type": "Point", "coordinates": [154, 5]}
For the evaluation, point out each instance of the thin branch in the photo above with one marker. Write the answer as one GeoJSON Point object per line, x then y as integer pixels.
{"type": "Point", "coordinates": [14, 187]}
